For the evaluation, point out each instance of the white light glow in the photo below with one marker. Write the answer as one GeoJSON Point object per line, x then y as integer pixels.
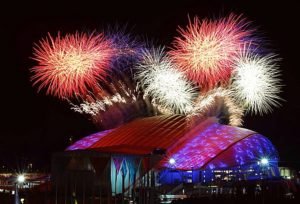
{"type": "Point", "coordinates": [21, 178]}
{"type": "Point", "coordinates": [264, 161]}
{"type": "Point", "coordinates": [172, 161]}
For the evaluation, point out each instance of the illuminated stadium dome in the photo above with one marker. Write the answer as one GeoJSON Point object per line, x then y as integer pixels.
{"type": "Point", "coordinates": [206, 145]}
{"type": "Point", "coordinates": [166, 150]}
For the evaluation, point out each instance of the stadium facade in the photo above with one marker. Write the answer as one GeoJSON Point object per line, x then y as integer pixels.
{"type": "Point", "coordinates": [160, 154]}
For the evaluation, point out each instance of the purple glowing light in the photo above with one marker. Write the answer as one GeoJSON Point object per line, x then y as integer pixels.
{"type": "Point", "coordinates": [88, 141]}
{"type": "Point", "coordinates": [219, 146]}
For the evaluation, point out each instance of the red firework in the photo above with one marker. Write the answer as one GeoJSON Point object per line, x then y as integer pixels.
{"type": "Point", "coordinates": [71, 65]}
{"type": "Point", "coordinates": [206, 49]}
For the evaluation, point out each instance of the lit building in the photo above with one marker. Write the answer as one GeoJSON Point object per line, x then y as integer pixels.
{"type": "Point", "coordinates": [287, 172]}
{"type": "Point", "coordinates": [162, 150]}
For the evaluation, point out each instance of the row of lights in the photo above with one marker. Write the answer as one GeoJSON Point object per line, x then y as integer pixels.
{"type": "Point", "coordinates": [263, 161]}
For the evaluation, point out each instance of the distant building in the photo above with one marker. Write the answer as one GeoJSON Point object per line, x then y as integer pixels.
{"type": "Point", "coordinates": [287, 172]}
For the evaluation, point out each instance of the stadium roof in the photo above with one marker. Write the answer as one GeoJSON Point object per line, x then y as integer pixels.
{"type": "Point", "coordinates": [207, 144]}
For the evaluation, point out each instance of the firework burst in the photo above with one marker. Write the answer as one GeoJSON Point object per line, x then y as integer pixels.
{"type": "Point", "coordinates": [212, 71]}
{"type": "Point", "coordinates": [71, 65]}
{"type": "Point", "coordinates": [256, 83]}
{"type": "Point", "coordinates": [206, 48]}
{"type": "Point", "coordinates": [127, 47]}
{"type": "Point", "coordinates": [164, 83]}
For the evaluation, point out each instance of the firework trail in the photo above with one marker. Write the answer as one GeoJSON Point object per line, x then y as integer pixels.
{"type": "Point", "coordinates": [115, 104]}
{"type": "Point", "coordinates": [218, 103]}
{"type": "Point", "coordinates": [94, 106]}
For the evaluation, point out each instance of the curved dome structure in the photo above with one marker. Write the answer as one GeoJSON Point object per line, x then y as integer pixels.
{"type": "Point", "coordinates": [205, 145]}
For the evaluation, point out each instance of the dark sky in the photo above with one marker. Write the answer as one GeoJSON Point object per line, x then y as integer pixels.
{"type": "Point", "coordinates": [34, 125]}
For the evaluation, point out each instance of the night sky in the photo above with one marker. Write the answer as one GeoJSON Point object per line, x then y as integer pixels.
{"type": "Point", "coordinates": [34, 125]}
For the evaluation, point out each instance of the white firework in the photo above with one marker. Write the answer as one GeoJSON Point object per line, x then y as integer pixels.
{"type": "Point", "coordinates": [256, 83]}
{"type": "Point", "coordinates": [94, 108]}
{"type": "Point", "coordinates": [167, 86]}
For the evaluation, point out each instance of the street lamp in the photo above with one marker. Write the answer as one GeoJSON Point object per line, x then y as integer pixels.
{"type": "Point", "coordinates": [172, 161]}
{"type": "Point", "coordinates": [264, 161]}
{"type": "Point", "coordinates": [20, 180]}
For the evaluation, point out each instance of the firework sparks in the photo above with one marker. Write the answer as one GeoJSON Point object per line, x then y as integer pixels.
{"type": "Point", "coordinates": [94, 108]}
{"type": "Point", "coordinates": [206, 48]}
{"type": "Point", "coordinates": [235, 112]}
{"type": "Point", "coordinates": [70, 65]}
{"type": "Point", "coordinates": [256, 83]}
{"type": "Point", "coordinates": [121, 95]}
{"type": "Point", "coordinates": [212, 56]}
{"type": "Point", "coordinates": [127, 47]}
{"type": "Point", "coordinates": [218, 103]}
{"type": "Point", "coordinates": [161, 80]}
